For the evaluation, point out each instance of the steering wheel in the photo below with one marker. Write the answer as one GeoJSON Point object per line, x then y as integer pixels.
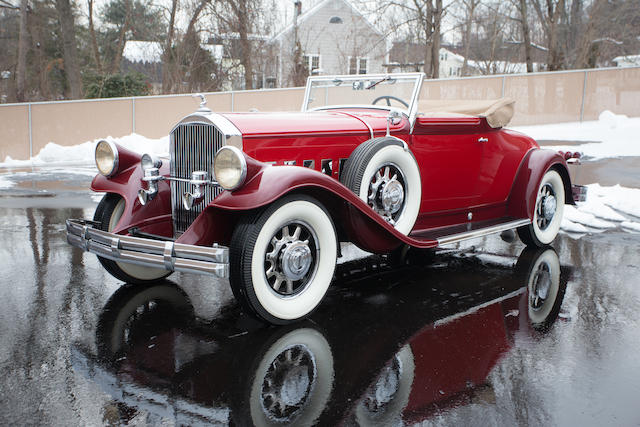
{"type": "Point", "coordinates": [389, 98]}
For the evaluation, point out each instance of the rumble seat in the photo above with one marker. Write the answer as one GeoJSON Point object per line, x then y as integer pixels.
{"type": "Point", "coordinates": [497, 112]}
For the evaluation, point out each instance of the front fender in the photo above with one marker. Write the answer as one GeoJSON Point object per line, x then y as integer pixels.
{"type": "Point", "coordinates": [154, 217]}
{"type": "Point", "coordinates": [522, 198]}
{"type": "Point", "coordinates": [354, 219]}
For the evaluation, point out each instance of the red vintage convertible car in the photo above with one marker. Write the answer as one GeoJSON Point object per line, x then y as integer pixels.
{"type": "Point", "coordinates": [264, 199]}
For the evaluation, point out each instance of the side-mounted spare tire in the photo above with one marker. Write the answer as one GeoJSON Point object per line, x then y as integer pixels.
{"type": "Point", "coordinates": [385, 175]}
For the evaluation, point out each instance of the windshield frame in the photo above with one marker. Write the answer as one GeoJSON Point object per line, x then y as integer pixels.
{"type": "Point", "coordinates": [411, 112]}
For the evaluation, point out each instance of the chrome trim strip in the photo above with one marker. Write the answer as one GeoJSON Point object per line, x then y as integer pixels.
{"type": "Point", "coordinates": [222, 123]}
{"type": "Point", "coordinates": [147, 252]}
{"type": "Point", "coordinates": [471, 234]}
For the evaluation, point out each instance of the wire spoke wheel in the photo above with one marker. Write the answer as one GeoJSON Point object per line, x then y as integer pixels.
{"type": "Point", "coordinates": [290, 261]}
{"type": "Point", "coordinates": [386, 194]}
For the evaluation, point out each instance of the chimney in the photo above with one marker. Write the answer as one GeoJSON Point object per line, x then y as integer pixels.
{"type": "Point", "coordinates": [297, 5]}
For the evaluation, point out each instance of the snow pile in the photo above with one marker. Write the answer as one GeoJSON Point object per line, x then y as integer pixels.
{"type": "Point", "coordinates": [83, 154]}
{"type": "Point", "coordinates": [142, 51]}
{"type": "Point", "coordinates": [612, 135]}
{"type": "Point", "coordinates": [4, 183]}
{"type": "Point", "coordinates": [605, 208]}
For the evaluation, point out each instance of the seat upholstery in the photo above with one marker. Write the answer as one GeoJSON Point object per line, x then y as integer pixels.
{"type": "Point", "coordinates": [497, 112]}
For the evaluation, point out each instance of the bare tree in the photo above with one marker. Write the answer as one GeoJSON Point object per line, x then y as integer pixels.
{"type": "Point", "coordinates": [21, 69]}
{"type": "Point", "coordinates": [94, 41]}
{"type": "Point", "coordinates": [526, 33]}
{"type": "Point", "coordinates": [549, 13]}
{"type": "Point", "coordinates": [469, 10]}
{"type": "Point", "coordinates": [168, 60]}
{"type": "Point", "coordinates": [69, 48]}
{"type": "Point", "coordinates": [115, 67]}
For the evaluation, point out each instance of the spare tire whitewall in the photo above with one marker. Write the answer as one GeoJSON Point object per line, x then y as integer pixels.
{"type": "Point", "coordinates": [283, 259]}
{"type": "Point", "coordinates": [385, 175]}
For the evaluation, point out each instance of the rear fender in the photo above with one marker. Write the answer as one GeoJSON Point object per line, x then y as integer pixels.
{"type": "Point", "coordinates": [522, 198]}
{"type": "Point", "coordinates": [354, 220]}
{"type": "Point", "coordinates": [154, 217]}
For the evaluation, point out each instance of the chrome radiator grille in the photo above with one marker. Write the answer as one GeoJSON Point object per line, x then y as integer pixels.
{"type": "Point", "coordinates": [192, 147]}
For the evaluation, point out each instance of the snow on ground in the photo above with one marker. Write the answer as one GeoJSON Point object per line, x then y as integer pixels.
{"type": "Point", "coordinates": [83, 154]}
{"type": "Point", "coordinates": [4, 183]}
{"type": "Point", "coordinates": [605, 208]}
{"type": "Point", "coordinates": [612, 135]}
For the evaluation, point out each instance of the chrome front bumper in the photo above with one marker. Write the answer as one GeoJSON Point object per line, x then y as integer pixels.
{"type": "Point", "coordinates": [148, 252]}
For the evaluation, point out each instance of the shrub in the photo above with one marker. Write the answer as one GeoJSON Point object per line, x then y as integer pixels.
{"type": "Point", "coordinates": [115, 85]}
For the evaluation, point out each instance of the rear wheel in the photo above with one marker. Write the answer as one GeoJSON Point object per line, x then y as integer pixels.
{"type": "Point", "coordinates": [108, 214]}
{"type": "Point", "coordinates": [283, 259]}
{"type": "Point", "coordinates": [548, 212]}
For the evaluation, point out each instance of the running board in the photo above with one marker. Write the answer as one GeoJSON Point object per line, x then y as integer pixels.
{"type": "Point", "coordinates": [480, 232]}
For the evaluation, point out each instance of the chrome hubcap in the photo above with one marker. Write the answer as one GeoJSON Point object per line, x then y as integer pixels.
{"type": "Point", "coordinates": [296, 260]}
{"type": "Point", "coordinates": [288, 383]}
{"type": "Point", "coordinates": [547, 205]}
{"type": "Point", "coordinates": [290, 259]}
{"type": "Point", "coordinates": [386, 193]}
{"type": "Point", "coordinates": [540, 287]}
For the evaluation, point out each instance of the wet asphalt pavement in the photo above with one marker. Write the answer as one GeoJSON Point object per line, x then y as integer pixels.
{"type": "Point", "coordinates": [485, 333]}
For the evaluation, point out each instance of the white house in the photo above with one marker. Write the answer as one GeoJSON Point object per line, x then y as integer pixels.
{"type": "Point", "coordinates": [335, 39]}
{"type": "Point", "coordinates": [627, 61]}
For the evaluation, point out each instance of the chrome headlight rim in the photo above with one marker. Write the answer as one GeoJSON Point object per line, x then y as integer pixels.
{"type": "Point", "coordinates": [243, 167]}
{"type": "Point", "coordinates": [116, 158]}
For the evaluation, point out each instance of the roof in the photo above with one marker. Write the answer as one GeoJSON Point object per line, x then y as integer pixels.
{"type": "Point", "coordinates": [627, 59]}
{"type": "Point", "coordinates": [142, 51]}
{"type": "Point", "coordinates": [151, 52]}
{"type": "Point", "coordinates": [409, 52]}
{"type": "Point", "coordinates": [303, 17]}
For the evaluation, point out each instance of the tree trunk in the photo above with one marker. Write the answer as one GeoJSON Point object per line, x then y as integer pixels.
{"type": "Point", "coordinates": [245, 45]}
{"type": "Point", "coordinates": [167, 54]}
{"type": "Point", "coordinates": [94, 42]}
{"type": "Point", "coordinates": [69, 49]}
{"type": "Point", "coordinates": [21, 69]}
{"type": "Point", "coordinates": [121, 40]}
{"type": "Point", "coordinates": [437, 18]}
{"type": "Point", "coordinates": [471, 7]}
{"type": "Point", "coordinates": [428, 39]}
{"type": "Point", "coordinates": [526, 35]}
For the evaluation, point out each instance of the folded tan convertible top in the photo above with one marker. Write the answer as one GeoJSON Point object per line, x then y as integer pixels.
{"type": "Point", "coordinates": [497, 112]}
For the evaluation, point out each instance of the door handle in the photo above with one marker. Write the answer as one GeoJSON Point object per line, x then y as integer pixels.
{"type": "Point", "coordinates": [483, 139]}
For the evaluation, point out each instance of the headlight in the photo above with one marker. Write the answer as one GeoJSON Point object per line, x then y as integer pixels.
{"type": "Point", "coordinates": [149, 161]}
{"type": "Point", "coordinates": [106, 158]}
{"type": "Point", "coordinates": [230, 167]}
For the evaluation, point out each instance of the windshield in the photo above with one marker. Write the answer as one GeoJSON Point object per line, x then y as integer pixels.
{"type": "Point", "coordinates": [382, 90]}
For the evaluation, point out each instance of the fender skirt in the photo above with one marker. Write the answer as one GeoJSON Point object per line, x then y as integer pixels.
{"type": "Point", "coordinates": [354, 220]}
{"type": "Point", "coordinates": [522, 198]}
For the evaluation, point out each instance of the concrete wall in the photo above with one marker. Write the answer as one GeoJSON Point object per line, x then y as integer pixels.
{"type": "Point", "coordinates": [541, 98]}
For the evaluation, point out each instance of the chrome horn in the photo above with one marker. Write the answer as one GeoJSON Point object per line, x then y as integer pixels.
{"type": "Point", "coordinates": [198, 179]}
{"type": "Point", "coordinates": [151, 177]}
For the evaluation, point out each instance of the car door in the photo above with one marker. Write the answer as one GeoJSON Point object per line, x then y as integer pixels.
{"type": "Point", "coordinates": [449, 156]}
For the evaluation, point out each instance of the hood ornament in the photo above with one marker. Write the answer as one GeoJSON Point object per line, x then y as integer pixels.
{"type": "Point", "coordinates": [203, 103]}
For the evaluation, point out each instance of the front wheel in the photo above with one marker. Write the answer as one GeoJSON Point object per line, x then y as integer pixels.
{"type": "Point", "coordinates": [283, 259]}
{"type": "Point", "coordinates": [108, 214]}
{"type": "Point", "coordinates": [548, 212]}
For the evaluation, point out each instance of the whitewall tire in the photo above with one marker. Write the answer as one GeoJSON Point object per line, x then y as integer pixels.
{"type": "Point", "coordinates": [548, 212]}
{"type": "Point", "coordinates": [386, 176]}
{"type": "Point", "coordinates": [283, 259]}
{"type": "Point", "coordinates": [293, 380]}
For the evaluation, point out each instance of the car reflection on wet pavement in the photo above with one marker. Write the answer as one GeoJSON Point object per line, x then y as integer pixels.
{"type": "Point", "coordinates": [484, 334]}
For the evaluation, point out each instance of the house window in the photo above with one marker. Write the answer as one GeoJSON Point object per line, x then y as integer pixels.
{"type": "Point", "coordinates": [312, 62]}
{"type": "Point", "coordinates": [358, 65]}
{"type": "Point", "coordinates": [335, 20]}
